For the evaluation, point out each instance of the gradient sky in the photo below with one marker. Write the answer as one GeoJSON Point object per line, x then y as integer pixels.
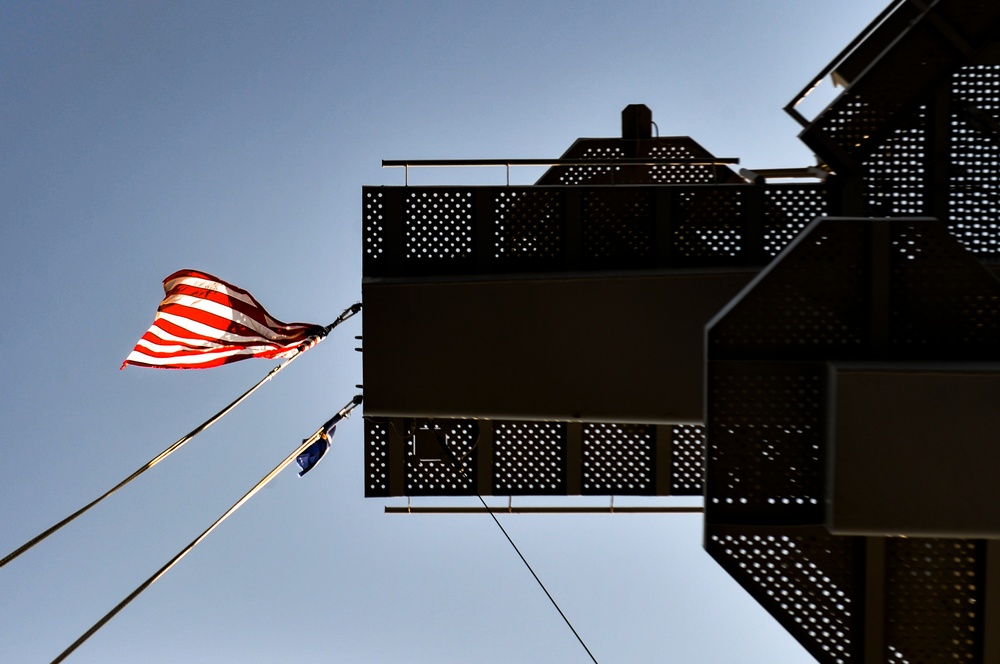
{"type": "Point", "coordinates": [234, 138]}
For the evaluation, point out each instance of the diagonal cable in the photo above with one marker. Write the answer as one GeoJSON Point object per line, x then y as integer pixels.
{"type": "Point", "coordinates": [347, 313]}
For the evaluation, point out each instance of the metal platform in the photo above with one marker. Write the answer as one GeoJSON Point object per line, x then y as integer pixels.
{"type": "Point", "coordinates": [900, 292]}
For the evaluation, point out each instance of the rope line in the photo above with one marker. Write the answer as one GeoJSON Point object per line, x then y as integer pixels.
{"type": "Point", "coordinates": [347, 313]}
{"type": "Point", "coordinates": [524, 560]}
{"type": "Point", "coordinates": [341, 414]}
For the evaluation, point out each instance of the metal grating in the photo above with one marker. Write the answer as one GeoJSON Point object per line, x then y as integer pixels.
{"type": "Point", "coordinates": [532, 458]}
{"type": "Point", "coordinates": [432, 477]}
{"type": "Point", "coordinates": [687, 450]}
{"type": "Point", "coordinates": [934, 599]}
{"type": "Point", "coordinates": [787, 211]}
{"type": "Point", "coordinates": [898, 171]}
{"type": "Point", "coordinates": [710, 223]}
{"type": "Point", "coordinates": [918, 295]}
{"type": "Point", "coordinates": [422, 231]}
{"type": "Point", "coordinates": [974, 190]}
{"type": "Point", "coordinates": [528, 224]}
{"type": "Point", "coordinates": [764, 439]}
{"type": "Point", "coordinates": [529, 458]}
{"type": "Point", "coordinates": [680, 173]}
{"type": "Point", "coordinates": [805, 580]}
{"type": "Point", "coordinates": [941, 300]}
{"type": "Point", "coordinates": [799, 315]}
{"type": "Point", "coordinates": [438, 224]}
{"type": "Point", "coordinates": [617, 225]}
{"type": "Point", "coordinates": [593, 174]}
{"type": "Point", "coordinates": [618, 459]}
{"type": "Point", "coordinates": [871, 107]}
{"type": "Point", "coordinates": [374, 227]}
{"type": "Point", "coordinates": [376, 458]}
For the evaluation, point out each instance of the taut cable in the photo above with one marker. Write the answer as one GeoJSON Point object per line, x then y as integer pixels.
{"type": "Point", "coordinates": [347, 313]}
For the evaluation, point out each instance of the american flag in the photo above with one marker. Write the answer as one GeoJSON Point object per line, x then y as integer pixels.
{"type": "Point", "coordinates": [205, 322]}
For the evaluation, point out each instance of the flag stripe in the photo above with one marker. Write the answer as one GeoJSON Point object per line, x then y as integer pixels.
{"type": "Point", "coordinates": [204, 322]}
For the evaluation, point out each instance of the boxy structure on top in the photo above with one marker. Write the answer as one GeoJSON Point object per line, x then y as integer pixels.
{"type": "Point", "coordinates": [818, 358]}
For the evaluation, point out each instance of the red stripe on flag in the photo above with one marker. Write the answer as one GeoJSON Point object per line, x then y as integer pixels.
{"type": "Point", "coordinates": [205, 322]}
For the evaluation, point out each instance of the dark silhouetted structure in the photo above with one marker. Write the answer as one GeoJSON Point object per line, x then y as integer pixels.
{"type": "Point", "coordinates": [819, 357]}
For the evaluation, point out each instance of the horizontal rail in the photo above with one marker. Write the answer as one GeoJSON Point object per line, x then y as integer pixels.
{"type": "Point", "coordinates": [625, 161]}
{"type": "Point", "coordinates": [846, 53]}
{"type": "Point", "coordinates": [392, 509]}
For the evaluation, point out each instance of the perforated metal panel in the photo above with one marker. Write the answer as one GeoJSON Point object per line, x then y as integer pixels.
{"type": "Point", "coordinates": [801, 314]}
{"type": "Point", "coordinates": [940, 297]}
{"type": "Point", "coordinates": [687, 449]}
{"type": "Point", "coordinates": [765, 433]}
{"type": "Point", "coordinates": [934, 597]}
{"type": "Point", "coordinates": [680, 173]}
{"type": "Point", "coordinates": [529, 458]}
{"type": "Point", "coordinates": [535, 458]}
{"type": "Point", "coordinates": [529, 224]}
{"type": "Point", "coordinates": [974, 189]}
{"type": "Point", "coordinates": [618, 225]}
{"type": "Point", "coordinates": [441, 477]}
{"type": "Point", "coordinates": [376, 457]}
{"type": "Point", "coordinates": [898, 171]}
{"type": "Point", "coordinates": [596, 173]}
{"type": "Point", "coordinates": [423, 231]}
{"type": "Point", "coordinates": [618, 459]}
{"type": "Point", "coordinates": [438, 224]}
{"type": "Point", "coordinates": [804, 577]}
{"type": "Point", "coordinates": [788, 209]}
{"type": "Point", "coordinates": [890, 289]}
{"type": "Point", "coordinates": [374, 226]}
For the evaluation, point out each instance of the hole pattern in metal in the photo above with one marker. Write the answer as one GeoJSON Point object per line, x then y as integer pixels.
{"type": "Point", "coordinates": [374, 225]}
{"type": "Point", "coordinates": [974, 189]}
{"type": "Point", "coordinates": [529, 458]}
{"type": "Point", "coordinates": [584, 174]}
{"type": "Point", "coordinates": [438, 224]}
{"type": "Point", "coordinates": [787, 211]}
{"type": "Point", "coordinates": [709, 223]}
{"type": "Point", "coordinates": [376, 458]}
{"type": "Point", "coordinates": [868, 109]}
{"type": "Point", "coordinates": [442, 478]}
{"type": "Point", "coordinates": [933, 600]}
{"type": "Point", "coordinates": [801, 315]}
{"type": "Point", "coordinates": [679, 173]}
{"type": "Point", "coordinates": [617, 225]}
{"type": "Point", "coordinates": [687, 450]}
{"type": "Point", "coordinates": [764, 438]}
{"type": "Point", "coordinates": [618, 459]}
{"type": "Point", "coordinates": [486, 230]}
{"type": "Point", "coordinates": [897, 172]}
{"type": "Point", "coordinates": [528, 224]}
{"type": "Point", "coordinates": [805, 581]}
{"type": "Point", "coordinates": [941, 300]}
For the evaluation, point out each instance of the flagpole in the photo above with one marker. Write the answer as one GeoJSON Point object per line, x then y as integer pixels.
{"type": "Point", "coordinates": [341, 414]}
{"type": "Point", "coordinates": [309, 343]}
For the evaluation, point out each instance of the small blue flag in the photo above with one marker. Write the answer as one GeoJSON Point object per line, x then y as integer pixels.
{"type": "Point", "coordinates": [308, 459]}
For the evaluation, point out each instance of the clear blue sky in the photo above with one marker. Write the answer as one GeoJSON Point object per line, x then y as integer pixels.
{"type": "Point", "coordinates": [140, 138]}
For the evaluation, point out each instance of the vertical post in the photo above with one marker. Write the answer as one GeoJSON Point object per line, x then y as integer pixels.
{"type": "Point", "coordinates": [664, 479]}
{"type": "Point", "coordinates": [574, 228]}
{"type": "Point", "coordinates": [397, 458]}
{"type": "Point", "coordinates": [482, 215]}
{"type": "Point", "coordinates": [753, 223]}
{"type": "Point", "coordinates": [874, 607]}
{"type": "Point", "coordinates": [939, 153]}
{"type": "Point", "coordinates": [484, 458]}
{"type": "Point", "coordinates": [663, 227]}
{"type": "Point", "coordinates": [880, 257]}
{"type": "Point", "coordinates": [574, 458]}
{"type": "Point", "coordinates": [394, 231]}
{"type": "Point", "coordinates": [991, 603]}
